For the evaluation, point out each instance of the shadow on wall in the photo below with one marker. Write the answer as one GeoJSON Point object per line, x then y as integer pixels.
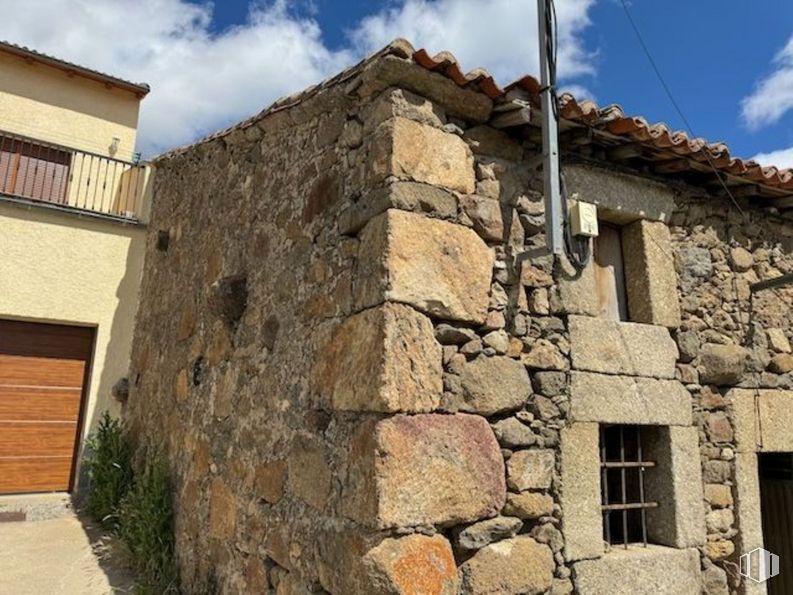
{"type": "Point", "coordinates": [62, 269]}
{"type": "Point", "coordinates": [119, 342]}
{"type": "Point", "coordinates": [122, 327]}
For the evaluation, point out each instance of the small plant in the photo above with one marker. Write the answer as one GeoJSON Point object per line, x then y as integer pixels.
{"type": "Point", "coordinates": [136, 506]}
{"type": "Point", "coordinates": [109, 468]}
{"type": "Point", "coordinates": [146, 528]}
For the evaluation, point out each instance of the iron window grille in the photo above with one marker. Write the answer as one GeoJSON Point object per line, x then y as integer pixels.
{"type": "Point", "coordinates": [623, 467]}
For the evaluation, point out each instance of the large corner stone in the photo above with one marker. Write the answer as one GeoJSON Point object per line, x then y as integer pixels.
{"type": "Point", "coordinates": [747, 509]}
{"type": "Point", "coordinates": [349, 560]}
{"type": "Point", "coordinates": [743, 414]}
{"type": "Point", "coordinates": [640, 571]}
{"type": "Point", "coordinates": [621, 197]}
{"type": "Point", "coordinates": [613, 399]}
{"type": "Point", "coordinates": [517, 565]}
{"type": "Point", "coordinates": [408, 196]}
{"type": "Point", "coordinates": [394, 102]}
{"type": "Point", "coordinates": [681, 522]}
{"type": "Point", "coordinates": [411, 565]}
{"type": "Point", "coordinates": [384, 359]}
{"type": "Point", "coordinates": [651, 282]}
{"type": "Point", "coordinates": [762, 419]}
{"type": "Point", "coordinates": [775, 412]}
{"type": "Point", "coordinates": [493, 385]}
{"type": "Point", "coordinates": [575, 292]}
{"type": "Point", "coordinates": [611, 347]}
{"type": "Point", "coordinates": [424, 470]}
{"type": "Point", "coordinates": [438, 267]}
{"type": "Point", "coordinates": [391, 71]}
{"type": "Point", "coordinates": [579, 494]}
{"type": "Point", "coordinates": [407, 149]}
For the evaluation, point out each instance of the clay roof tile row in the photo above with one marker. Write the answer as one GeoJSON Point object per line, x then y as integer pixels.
{"type": "Point", "coordinates": [612, 119]}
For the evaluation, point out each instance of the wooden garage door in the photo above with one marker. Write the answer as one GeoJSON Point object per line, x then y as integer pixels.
{"type": "Point", "coordinates": [43, 372]}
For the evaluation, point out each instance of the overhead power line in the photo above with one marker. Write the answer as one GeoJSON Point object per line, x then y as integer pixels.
{"type": "Point", "coordinates": [675, 104]}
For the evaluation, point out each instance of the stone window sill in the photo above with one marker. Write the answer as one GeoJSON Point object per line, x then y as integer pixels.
{"type": "Point", "coordinates": [641, 570]}
{"type": "Point", "coordinates": [635, 550]}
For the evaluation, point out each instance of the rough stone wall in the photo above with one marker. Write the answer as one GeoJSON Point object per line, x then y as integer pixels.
{"type": "Point", "coordinates": [360, 371]}
{"type": "Point", "coordinates": [728, 338]}
{"type": "Point", "coordinates": [245, 275]}
{"type": "Point", "coordinates": [286, 362]}
{"type": "Point", "coordinates": [723, 336]}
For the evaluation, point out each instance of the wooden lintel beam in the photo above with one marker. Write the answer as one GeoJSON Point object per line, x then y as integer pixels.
{"type": "Point", "coordinates": [780, 281]}
{"type": "Point", "coordinates": [534, 135]}
{"type": "Point", "coordinates": [510, 119]}
{"type": "Point", "coordinates": [671, 167]}
{"type": "Point", "coordinates": [577, 136]}
{"type": "Point", "coordinates": [783, 202]}
{"type": "Point", "coordinates": [746, 190]}
{"type": "Point", "coordinates": [623, 152]}
{"type": "Point", "coordinates": [737, 185]}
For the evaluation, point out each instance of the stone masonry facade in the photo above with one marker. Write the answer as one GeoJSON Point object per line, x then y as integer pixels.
{"type": "Point", "coordinates": [366, 380]}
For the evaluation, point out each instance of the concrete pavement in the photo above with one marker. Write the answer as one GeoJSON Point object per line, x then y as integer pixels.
{"type": "Point", "coordinates": [60, 555]}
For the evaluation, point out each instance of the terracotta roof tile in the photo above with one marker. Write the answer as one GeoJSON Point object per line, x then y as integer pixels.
{"type": "Point", "coordinates": [609, 120]}
{"type": "Point", "coordinates": [612, 119]}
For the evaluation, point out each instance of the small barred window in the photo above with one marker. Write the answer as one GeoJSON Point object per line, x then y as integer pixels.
{"type": "Point", "coordinates": [623, 467]}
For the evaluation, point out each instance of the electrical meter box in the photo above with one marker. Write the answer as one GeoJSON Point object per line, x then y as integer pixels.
{"type": "Point", "coordinates": [584, 219]}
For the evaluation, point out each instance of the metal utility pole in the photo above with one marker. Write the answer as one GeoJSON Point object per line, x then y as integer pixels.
{"type": "Point", "coordinates": [550, 136]}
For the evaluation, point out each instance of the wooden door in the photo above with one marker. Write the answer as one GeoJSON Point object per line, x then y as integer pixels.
{"type": "Point", "coordinates": [43, 381]}
{"type": "Point", "coordinates": [610, 274]}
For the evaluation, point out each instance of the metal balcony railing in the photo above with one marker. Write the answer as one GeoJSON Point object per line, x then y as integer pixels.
{"type": "Point", "coordinates": [63, 177]}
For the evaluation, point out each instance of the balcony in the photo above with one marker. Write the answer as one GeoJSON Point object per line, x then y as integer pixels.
{"type": "Point", "coordinates": [59, 177]}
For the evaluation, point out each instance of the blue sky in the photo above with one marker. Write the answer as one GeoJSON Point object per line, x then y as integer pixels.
{"type": "Point", "coordinates": [708, 55]}
{"type": "Point", "coordinates": [729, 64]}
{"type": "Point", "coordinates": [712, 54]}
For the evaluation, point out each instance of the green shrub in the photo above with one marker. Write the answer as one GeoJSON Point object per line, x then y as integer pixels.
{"type": "Point", "coordinates": [146, 528]}
{"type": "Point", "coordinates": [109, 468]}
{"type": "Point", "coordinates": [137, 506]}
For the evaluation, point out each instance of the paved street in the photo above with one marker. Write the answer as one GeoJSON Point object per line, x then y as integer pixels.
{"type": "Point", "coordinates": [60, 555]}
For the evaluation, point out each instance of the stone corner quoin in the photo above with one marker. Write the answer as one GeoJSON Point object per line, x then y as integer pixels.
{"type": "Point", "coordinates": [440, 268]}
{"type": "Point", "coordinates": [426, 469]}
{"type": "Point", "coordinates": [366, 380]}
{"type": "Point", "coordinates": [384, 359]}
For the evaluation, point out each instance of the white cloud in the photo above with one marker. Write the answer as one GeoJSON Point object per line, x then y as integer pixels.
{"type": "Point", "coordinates": [782, 158]}
{"type": "Point", "coordinates": [202, 81]}
{"type": "Point", "coordinates": [500, 35]}
{"type": "Point", "coordinates": [773, 96]}
{"type": "Point", "coordinates": [580, 92]}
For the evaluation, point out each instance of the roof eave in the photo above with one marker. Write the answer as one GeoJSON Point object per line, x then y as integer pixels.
{"type": "Point", "coordinates": [139, 89]}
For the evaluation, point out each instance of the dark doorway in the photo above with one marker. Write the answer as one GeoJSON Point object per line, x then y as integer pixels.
{"type": "Point", "coordinates": [776, 504]}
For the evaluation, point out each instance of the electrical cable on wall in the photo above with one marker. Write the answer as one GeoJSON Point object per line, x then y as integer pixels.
{"type": "Point", "coordinates": [676, 105]}
{"type": "Point", "coordinates": [577, 249]}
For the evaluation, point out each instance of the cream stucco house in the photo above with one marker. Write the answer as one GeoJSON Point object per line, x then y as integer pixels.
{"type": "Point", "coordinates": [73, 207]}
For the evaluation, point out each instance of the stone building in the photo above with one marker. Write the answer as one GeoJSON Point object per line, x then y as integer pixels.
{"type": "Point", "coordinates": [368, 378]}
